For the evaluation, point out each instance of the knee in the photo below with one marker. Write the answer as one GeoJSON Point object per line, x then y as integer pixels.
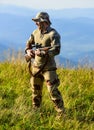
{"type": "Point", "coordinates": [52, 86]}
{"type": "Point", "coordinates": [52, 83]}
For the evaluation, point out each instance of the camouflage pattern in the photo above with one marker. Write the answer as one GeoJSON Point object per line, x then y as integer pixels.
{"type": "Point", "coordinates": [50, 38]}
{"type": "Point", "coordinates": [41, 17]}
{"type": "Point", "coordinates": [52, 83]}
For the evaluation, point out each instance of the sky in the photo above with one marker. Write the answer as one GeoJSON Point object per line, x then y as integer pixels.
{"type": "Point", "coordinates": [50, 4]}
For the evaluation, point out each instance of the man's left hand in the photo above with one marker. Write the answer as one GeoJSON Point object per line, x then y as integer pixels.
{"type": "Point", "coordinates": [39, 52]}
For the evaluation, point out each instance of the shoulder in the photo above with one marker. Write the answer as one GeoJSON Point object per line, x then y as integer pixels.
{"type": "Point", "coordinates": [35, 32]}
{"type": "Point", "coordinates": [54, 33]}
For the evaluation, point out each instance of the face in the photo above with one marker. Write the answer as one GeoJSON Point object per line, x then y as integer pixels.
{"type": "Point", "coordinates": [41, 25]}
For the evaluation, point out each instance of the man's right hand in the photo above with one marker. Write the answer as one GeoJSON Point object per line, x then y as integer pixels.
{"type": "Point", "coordinates": [30, 53]}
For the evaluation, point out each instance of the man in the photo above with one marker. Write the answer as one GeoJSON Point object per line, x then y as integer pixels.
{"type": "Point", "coordinates": [44, 66]}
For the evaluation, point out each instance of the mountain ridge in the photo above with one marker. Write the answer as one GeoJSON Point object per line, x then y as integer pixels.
{"type": "Point", "coordinates": [76, 32]}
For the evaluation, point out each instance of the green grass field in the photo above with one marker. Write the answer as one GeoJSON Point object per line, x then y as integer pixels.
{"type": "Point", "coordinates": [77, 89]}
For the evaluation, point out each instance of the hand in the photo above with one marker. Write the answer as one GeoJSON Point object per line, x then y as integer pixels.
{"type": "Point", "coordinates": [30, 53]}
{"type": "Point", "coordinates": [37, 52]}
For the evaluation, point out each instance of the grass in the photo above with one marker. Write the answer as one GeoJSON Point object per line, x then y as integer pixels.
{"type": "Point", "coordinates": [77, 88]}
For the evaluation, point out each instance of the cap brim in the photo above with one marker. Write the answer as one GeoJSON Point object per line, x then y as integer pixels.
{"type": "Point", "coordinates": [39, 20]}
{"type": "Point", "coordinates": [36, 20]}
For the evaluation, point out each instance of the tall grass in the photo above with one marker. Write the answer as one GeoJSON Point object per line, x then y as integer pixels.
{"type": "Point", "coordinates": [77, 88]}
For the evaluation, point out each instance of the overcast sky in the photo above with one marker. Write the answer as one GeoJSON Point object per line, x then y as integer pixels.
{"type": "Point", "coordinates": [51, 4]}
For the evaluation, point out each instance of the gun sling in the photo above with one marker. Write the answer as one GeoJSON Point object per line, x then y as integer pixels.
{"type": "Point", "coordinates": [29, 67]}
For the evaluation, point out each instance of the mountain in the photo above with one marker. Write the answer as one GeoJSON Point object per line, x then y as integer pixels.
{"type": "Point", "coordinates": [60, 13]}
{"type": "Point", "coordinates": [76, 27]}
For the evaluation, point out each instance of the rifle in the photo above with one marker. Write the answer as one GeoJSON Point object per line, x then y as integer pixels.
{"type": "Point", "coordinates": [28, 58]}
{"type": "Point", "coordinates": [37, 46]}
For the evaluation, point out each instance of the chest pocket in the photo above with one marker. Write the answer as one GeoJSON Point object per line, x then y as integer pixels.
{"type": "Point", "coordinates": [44, 40]}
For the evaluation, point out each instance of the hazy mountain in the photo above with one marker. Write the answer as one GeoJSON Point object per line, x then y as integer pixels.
{"type": "Point", "coordinates": [76, 27]}
{"type": "Point", "coordinates": [64, 13]}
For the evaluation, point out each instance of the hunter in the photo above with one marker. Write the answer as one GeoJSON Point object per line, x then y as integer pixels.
{"type": "Point", "coordinates": [44, 65]}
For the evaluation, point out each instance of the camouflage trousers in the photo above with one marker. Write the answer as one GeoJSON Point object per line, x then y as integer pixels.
{"type": "Point", "coordinates": [52, 82]}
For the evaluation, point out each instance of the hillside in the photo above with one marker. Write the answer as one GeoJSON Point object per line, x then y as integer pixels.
{"type": "Point", "coordinates": [77, 88]}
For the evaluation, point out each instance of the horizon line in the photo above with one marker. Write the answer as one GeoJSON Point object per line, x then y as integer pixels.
{"type": "Point", "coordinates": [32, 8]}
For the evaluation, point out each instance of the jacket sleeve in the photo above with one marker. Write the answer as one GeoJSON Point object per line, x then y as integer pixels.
{"type": "Point", "coordinates": [29, 43]}
{"type": "Point", "coordinates": [55, 44]}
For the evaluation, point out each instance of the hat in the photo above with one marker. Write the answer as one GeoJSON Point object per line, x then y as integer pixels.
{"type": "Point", "coordinates": [42, 17]}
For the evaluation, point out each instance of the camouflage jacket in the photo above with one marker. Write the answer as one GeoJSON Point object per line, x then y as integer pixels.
{"type": "Point", "coordinates": [50, 38]}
